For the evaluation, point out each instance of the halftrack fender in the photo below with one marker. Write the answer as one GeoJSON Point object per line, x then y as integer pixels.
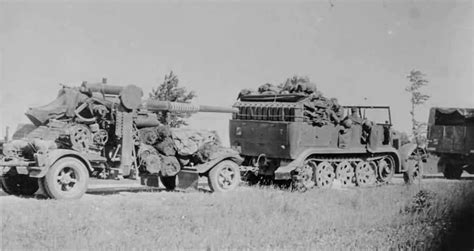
{"type": "Point", "coordinates": [45, 161]}
{"type": "Point", "coordinates": [224, 156]}
{"type": "Point", "coordinates": [284, 172]}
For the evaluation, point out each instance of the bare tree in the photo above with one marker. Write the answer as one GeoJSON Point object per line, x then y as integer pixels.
{"type": "Point", "coordinates": [169, 90]}
{"type": "Point", "coordinates": [415, 169]}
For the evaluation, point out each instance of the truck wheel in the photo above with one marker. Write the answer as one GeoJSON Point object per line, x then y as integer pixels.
{"type": "Point", "coordinates": [19, 184]}
{"type": "Point", "coordinates": [225, 176]}
{"type": "Point", "coordinates": [66, 179]}
{"type": "Point", "coordinates": [452, 171]}
{"type": "Point", "coordinates": [168, 182]}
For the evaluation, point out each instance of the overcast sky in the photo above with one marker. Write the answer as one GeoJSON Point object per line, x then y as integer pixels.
{"type": "Point", "coordinates": [357, 51]}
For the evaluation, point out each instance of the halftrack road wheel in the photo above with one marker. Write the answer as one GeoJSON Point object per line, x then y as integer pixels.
{"type": "Point", "coordinates": [304, 178]}
{"type": "Point", "coordinates": [345, 173]}
{"type": "Point", "coordinates": [324, 174]}
{"type": "Point", "coordinates": [19, 184]}
{"type": "Point", "coordinates": [366, 173]}
{"type": "Point", "coordinates": [386, 169]}
{"type": "Point", "coordinates": [66, 179]}
{"type": "Point", "coordinates": [225, 176]}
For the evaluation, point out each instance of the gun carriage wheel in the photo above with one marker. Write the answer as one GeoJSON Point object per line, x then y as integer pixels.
{"type": "Point", "coordinates": [66, 179]}
{"type": "Point", "coordinates": [19, 184]}
{"type": "Point", "coordinates": [225, 176]}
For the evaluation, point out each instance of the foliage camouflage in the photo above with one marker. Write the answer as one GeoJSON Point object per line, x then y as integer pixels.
{"type": "Point", "coordinates": [169, 90]}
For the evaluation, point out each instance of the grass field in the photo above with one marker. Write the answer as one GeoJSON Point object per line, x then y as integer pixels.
{"type": "Point", "coordinates": [391, 216]}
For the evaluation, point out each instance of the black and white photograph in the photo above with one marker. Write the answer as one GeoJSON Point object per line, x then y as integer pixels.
{"type": "Point", "coordinates": [237, 125]}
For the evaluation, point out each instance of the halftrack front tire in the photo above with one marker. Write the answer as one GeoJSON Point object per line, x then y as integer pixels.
{"type": "Point", "coordinates": [385, 169]}
{"type": "Point", "coordinates": [224, 177]}
{"type": "Point", "coordinates": [67, 178]}
{"type": "Point", "coordinates": [413, 173]}
{"type": "Point", "coordinates": [19, 184]}
{"type": "Point", "coordinates": [168, 182]}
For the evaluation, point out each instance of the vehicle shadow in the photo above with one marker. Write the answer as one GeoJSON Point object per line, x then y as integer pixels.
{"type": "Point", "coordinates": [112, 191]}
{"type": "Point", "coordinates": [441, 177]}
{"type": "Point", "coordinates": [40, 195]}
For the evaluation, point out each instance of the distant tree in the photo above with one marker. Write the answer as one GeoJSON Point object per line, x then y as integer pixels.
{"type": "Point", "coordinates": [169, 90]}
{"type": "Point", "coordinates": [415, 169]}
{"type": "Point", "coordinates": [404, 138]}
{"type": "Point", "coordinates": [417, 81]}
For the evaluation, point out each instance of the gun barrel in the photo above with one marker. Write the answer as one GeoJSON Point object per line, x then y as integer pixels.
{"type": "Point", "coordinates": [103, 88]}
{"type": "Point", "coordinates": [157, 105]}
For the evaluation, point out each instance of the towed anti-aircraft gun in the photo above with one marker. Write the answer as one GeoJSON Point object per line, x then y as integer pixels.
{"type": "Point", "coordinates": [106, 131]}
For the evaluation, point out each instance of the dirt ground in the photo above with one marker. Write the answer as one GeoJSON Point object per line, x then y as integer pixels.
{"type": "Point", "coordinates": [437, 213]}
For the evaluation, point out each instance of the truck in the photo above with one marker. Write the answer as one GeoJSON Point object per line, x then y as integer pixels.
{"type": "Point", "coordinates": [451, 137]}
{"type": "Point", "coordinates": [103, 131]}
{"type": "Point", "coordinates": [298, 138]}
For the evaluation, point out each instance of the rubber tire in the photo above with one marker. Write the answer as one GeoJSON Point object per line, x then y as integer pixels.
{"type": "Point", "coordinates": [452, 172]}
{"type": "Point", "coordinates": [392, 173]}
{"type": "Point", "coordinates": [168, 182]}
{"type": "Point", "coordinates": [19, 184]}
{"type": "Point", "coordinates": [410, 175]}
{"type": "Point", "coordinates": [213, 176]}
{"type": "Point", "coordinates": [82, 176]}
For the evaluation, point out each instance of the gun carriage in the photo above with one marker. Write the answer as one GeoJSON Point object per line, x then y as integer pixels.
{"type": "Point", "coordinates": [108, 132]}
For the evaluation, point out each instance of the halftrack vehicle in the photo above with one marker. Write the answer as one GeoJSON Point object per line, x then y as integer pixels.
{"type": "Point", "coordinates": [108, 132]}
{"type": "Point", "coordinates": [451, 137]}
{"type": "Point", "coordinates": [296, 137]}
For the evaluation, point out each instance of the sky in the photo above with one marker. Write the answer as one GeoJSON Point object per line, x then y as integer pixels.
{"type": "Point", "coordinates": [357, 51]}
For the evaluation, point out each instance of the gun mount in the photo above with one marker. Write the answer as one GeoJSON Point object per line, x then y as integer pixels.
{"type": "Point", "coordinates": [109, 131]}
